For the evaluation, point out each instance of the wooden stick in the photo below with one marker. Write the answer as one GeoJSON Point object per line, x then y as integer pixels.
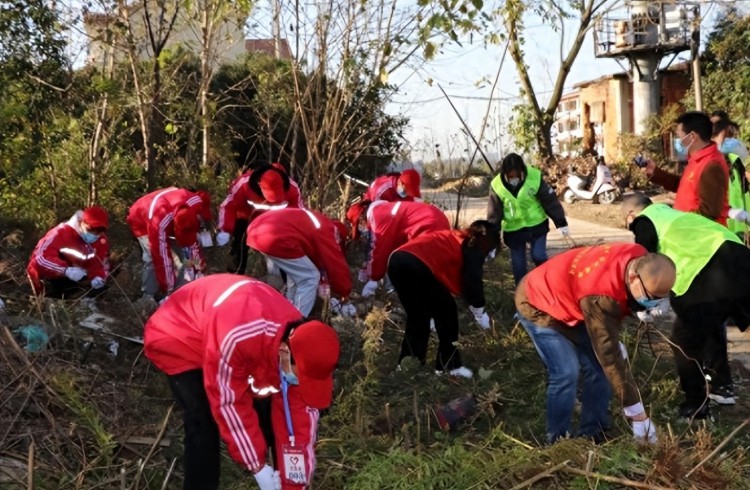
{"type": "Point", "coordinates": [154, 446]}
{"type": "Point", "coordinates": [30, 481]}
{"type": "Point", "coordinates": [544, 474]}
{"type": "Point", "coordinates": [719, 447]}
{"type": "Point", "coordinates": [614, 479]}
{"type": "Point", "coordinates": [169, 473]}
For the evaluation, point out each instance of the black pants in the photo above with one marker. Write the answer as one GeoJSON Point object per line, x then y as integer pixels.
{"type": "Point", "coordinates": [201, 445]}
{"type": "Point", "coordinates": [721, 290]}
{"type": "Point", "coordinates": [64, 288]}
{"type": "Point", "coordinates": [423, 298]}
{"type": "Point", "coordinates": [239, 248]}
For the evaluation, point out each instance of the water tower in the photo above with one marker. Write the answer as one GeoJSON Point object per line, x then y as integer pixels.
{"type": "Point", "coordinates": [649, 31]}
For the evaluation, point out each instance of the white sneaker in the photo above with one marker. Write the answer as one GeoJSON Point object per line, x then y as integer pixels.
{"type": "Point", "coordinates": [462, 372]}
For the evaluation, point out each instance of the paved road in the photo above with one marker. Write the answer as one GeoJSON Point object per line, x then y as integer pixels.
{"type": "Point", "coordinates": [583, 233]}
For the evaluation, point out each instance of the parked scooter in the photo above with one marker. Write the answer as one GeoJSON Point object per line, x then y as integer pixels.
{"type": "Point", "coordinates": [603, 191]}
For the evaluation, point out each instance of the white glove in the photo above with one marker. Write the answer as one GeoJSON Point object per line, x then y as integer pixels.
{"type": "Point", "coordinates": [98, 283]}
{"type": "Point", "coordinates": [75, 273]}
{"type": "Point", "coordinates": [369, 289]}
{"type": "Point", "coordinates": [204, 238]}
{"type": "Point", "coordinates": [268, 479]}
{"type": "Point", "coordinates": [662, 309]}
{"type": "Point", "coordinates": [343, 309]}
{"type": "Point", "coordinates": [739, 215]}
{"type": "Point", "coordinates": [362, 275]}
{"type": "Point", "coordinates": [482, 318]}
{"type": "Point", "coordinates": [644, 431]}
{"type": "Point", "coordinates": [644, 316]}
{"type": "Point", "coordinates": [564, 231]}
{"type": "Point", "coordinates": [222, 238]}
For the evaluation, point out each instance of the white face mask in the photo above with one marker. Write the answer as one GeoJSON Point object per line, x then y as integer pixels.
{"type": "Point", "coordinates": [401, 192]}
{"type": "Point", "coordinates": [513, 182]}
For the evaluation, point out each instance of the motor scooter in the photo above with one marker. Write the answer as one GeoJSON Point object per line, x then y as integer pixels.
{"type": "Point", "coordinates": [603, 191]}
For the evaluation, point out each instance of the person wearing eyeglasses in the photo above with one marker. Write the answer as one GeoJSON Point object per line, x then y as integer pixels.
{"type": "Point", "coordinates": [73, 257]}
{"type": "Point", "coordinates": [572, 308]}
{"type": "Point", "coordinates": [245, 367]}
{"type": "Point", "coordinates": [713, 284]}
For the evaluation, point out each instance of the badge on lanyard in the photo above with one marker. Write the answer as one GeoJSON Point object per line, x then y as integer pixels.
{"type": "Point", "coordinates": [294, 465]}
{"type": "Point", "coordinates": [293, 457]}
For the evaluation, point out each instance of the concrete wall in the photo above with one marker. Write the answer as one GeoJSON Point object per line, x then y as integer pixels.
{"type": "Point", "coordinates": [229, 40]}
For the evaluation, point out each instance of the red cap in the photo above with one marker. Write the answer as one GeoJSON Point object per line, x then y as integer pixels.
{"type": "Point", "coordinates": [272, 187]}
{"type": "Point", "coordinates": [315, 349]}
{"type": "Point", "coordinates": [411, 180]}
{"type": "Point", "coordinates": [279, 166]}
{"type": "Point", "coordinates": [96, 217]}
{"type": "Point", "coordinates": [205, 205]}
{"type": "Point", "coordinates": [353, 214]}
{"type": "Point", "coordinates": [186, 226]}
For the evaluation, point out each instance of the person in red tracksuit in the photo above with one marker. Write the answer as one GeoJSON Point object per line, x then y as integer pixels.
{"type": "Point", "coordinates": [303, 244]}
{"type": "Point", "coordinates": [390, 225]}
{"type": "Point", "coordinates": [403, 186]}
{"type": "Point", "coordinates": [255, 191]}
{"type": "Point", "coordinates": [240, 359]}
{"type": "Point", "coordinates": [572, 308]}
{"type": "Point", "coordinates": [166, 223]}
{"type": "Point", "coordinates": [426, 272]}
{"type": "Point", "coordinates": [71, 253]}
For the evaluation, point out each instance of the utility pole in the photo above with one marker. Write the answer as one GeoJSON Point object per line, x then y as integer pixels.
{"type": "Point", "coordinates": [276, 28]}
{"type": "Point", "coordinates": [695, 43]}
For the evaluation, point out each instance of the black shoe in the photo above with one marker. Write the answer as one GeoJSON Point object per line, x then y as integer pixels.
{"type": "Point", "coordinates": [723, 395]}
{"type": "Point", "coordinates": [695, 412]}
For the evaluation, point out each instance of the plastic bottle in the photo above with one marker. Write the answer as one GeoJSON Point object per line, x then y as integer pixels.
{"type": "Point", "coordinates": [324, 288]}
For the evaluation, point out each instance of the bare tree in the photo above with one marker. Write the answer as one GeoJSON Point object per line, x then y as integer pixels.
{"type": "Point", "coordinates": [583, 13]}
{"type": "Point", "coordinates": [148, 27]}
{"type": "Point", "coordinates": [356, 46]}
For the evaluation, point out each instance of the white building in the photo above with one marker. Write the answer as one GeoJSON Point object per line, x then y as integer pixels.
{"type": "Point", "coordinates": [567, 131]}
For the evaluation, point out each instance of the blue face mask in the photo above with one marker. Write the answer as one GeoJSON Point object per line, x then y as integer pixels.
{"type": "Point", "coordinates": [679, 148]}
{"type": "Point", "coordinates": [401, 192]}
{"type": "Point", "coordinates": [89, 237]}
{"type": "Point", "coordinates": [648, 303]}
{"type": "Point", "coordinates": [730, 145]}
{"type": "Point", "coordinates": [290, 378]}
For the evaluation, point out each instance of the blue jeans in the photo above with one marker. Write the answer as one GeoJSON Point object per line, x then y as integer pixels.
{"type": "Point", "coordinates": [565, 360]}
{"type": "Point", "coordinates": [516, 243]}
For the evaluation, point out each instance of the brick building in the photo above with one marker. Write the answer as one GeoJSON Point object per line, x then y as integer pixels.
{"type": "Point", "coordinates": [605, 105]}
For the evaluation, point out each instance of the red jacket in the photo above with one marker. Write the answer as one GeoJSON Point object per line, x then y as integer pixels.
{"type": "Point", "coordinates": [293, 233]}
{"type": "Point", "coordinates": [688, 198]}
{"type": "Point", "coordinates": [63, 247]}
{"type": "Point", "coordinates": [441, 252]}
{"type": "Point", "coordinates": [384, 189]}
{"type": "Point", "coordinates": [557, 286]}
{"type": "Point", "coordinates": [230, 327]}
{"type": "Point", "coordinates": [152, 216]}
{"type": "Point", "coordinates": [394, 223]}
{"type": "Point", "coordinates": [237, 203]}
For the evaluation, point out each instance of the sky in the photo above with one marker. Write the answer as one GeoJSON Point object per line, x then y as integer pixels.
{"type": "Point", "coordinates": [466, 73]}
{"type": "Point", "coordinates": [459, 68]}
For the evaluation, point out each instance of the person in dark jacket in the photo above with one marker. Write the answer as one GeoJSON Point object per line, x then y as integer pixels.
{"type": "Point", "coordinates": [426, 272]}
{"type": "Point", "coordinates": [520, 202]}
{"type": "Point", "coordinates": [713, 283]}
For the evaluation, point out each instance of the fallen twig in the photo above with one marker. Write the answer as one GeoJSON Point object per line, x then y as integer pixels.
{"type": "Point", "coordinates": [544, 474]}
{"type": "Point", "coordinates": [615, 479]}
{"type": "Point", "coordinates": [30, 481]}
{"type": "Point", "coordinates": [169, 474]}
{"type": "Point", "coordinates": [719, 447]}
{"type": "Point", "coordinates": [154, 446]}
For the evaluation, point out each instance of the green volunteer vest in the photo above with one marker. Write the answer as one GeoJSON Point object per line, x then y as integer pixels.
{"type": "Point", "coordinates": [689, 239]}
{"type": "Point", "coordinates": [523, 210]}
{"type": "Point", "coordinates": [737, 198]}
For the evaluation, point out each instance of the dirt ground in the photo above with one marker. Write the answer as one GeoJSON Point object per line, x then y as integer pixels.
{"type": "Point", "coordinates": [606, 214]}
